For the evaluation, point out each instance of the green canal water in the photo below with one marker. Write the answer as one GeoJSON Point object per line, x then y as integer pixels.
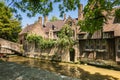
{"type": "Point", "coordinates": [60, 69]}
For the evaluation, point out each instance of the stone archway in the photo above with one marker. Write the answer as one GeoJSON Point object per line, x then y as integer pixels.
{"type": "Point", "coordinates": [72, 54]}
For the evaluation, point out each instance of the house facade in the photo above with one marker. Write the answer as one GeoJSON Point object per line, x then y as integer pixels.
{"type": "Point", "coordinates": [103, 44]}
{"type": "Point", "coordinates": [35, 28]}
{"type": "Point", "coordinates": [50, 30]}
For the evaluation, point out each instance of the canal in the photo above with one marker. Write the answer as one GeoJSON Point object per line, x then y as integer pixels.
{"type": "Point", "coordinates": [81, 72]}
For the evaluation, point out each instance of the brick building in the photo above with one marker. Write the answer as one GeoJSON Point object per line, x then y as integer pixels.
{"type": "Point", "coordinates": [103, 44]}
{"type": "Point", "coordinates": [49, 30]}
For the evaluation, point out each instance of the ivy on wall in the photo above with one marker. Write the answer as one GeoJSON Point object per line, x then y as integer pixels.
{"type": "Point", "coordinates": [39, 41]}
{"type": "Point", "coordinates": [65, 39]}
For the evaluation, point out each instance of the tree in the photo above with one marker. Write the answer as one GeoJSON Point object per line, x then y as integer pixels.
{"type": "Point", "coordinates": [65, 37]}
{"type": "Point", "coordinates": [65, 41]}
{"type": "Point", "coordinates": [93, 11]}
{"type": "Point", "coordinates": [94, 16]}
{"type": "Point", "coordinates": [40, 42]}
{"type": "Point", "coordinates": [54, 18]}
{"type": "Point", "coordinates": [32, 7]}
{"type": "Point", "coordinates": [9, 27]}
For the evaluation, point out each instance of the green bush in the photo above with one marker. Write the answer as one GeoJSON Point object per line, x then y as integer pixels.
{"type": "Point", "coordinates": [41, 42]}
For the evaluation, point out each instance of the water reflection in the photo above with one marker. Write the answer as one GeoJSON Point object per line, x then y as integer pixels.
{"type": "Point", "coordinates": [60, 68]}
{"type": "Point", "coordinates": [56, 67]}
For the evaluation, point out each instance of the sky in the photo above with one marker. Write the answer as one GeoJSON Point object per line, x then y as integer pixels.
{"type": "Point", "coordinates": [26, 20]}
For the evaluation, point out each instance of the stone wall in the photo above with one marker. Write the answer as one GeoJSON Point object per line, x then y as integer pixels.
{"type": "Point", "coordinates": [54, 53]}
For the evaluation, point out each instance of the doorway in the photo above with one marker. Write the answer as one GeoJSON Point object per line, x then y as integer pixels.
{"type": "Point", "coordinates": [72, 54]}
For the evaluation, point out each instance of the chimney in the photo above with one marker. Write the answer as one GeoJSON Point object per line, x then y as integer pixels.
{"type": "Point", "coordinates": [45, 19]}
{"type": "Point", "coordinates": [40, 20]}
{"type": "Point", "coordinates": [64, 16]}
{"type": "Point", "coordinates": [80, 12]}
{"type": "Point", "coordinates": [27, 24]}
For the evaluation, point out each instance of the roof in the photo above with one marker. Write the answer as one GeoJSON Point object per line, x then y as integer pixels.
{"type": "Point", "coordinates": [96, 35]}
{"type": "Point", "coordinates": [109, 25]}
{"type": "Point", "coordinates": [35, 28]}
{"type": "Point", "coordinates": [57, 25]}
{"type": "Point", "coordinates": [112, 25]}
{"type": "Point", "coordinates": [27, 29]}
{"type": "Point", "coordinates": [42, 30]}
{"type": "Point", "coordinates": [116, 30]}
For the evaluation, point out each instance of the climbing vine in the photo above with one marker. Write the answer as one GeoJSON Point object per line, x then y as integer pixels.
{"type": "Point", "coordinates": [41, 42]}
{"type": "Point", "coordinates": [65, 37]}
{"type": "Point", "coordinates": [33, 38]}
{"type": "Point", "coordinates": [46, 43]}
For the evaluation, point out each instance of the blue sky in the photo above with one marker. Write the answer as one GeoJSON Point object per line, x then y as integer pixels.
{"type": "Point", "coordinates": [26, 20]}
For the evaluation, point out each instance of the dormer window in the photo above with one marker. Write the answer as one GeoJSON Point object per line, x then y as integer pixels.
{"type": "Point", "coordinates": [53, 27]}
{"type": "Point", "coordinates": [44, 26]}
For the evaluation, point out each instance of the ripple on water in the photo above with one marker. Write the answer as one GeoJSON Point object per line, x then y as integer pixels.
{"type": "Point", "coordinates": [58, 71]}
{"type": "Point", "coordinates": [13, 71]}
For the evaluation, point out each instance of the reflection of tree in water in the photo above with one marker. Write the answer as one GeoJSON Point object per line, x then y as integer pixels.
{"type": "Point", "coordinates": [66, 70]}
{"type": "Point", "coordinates": [85, 75]}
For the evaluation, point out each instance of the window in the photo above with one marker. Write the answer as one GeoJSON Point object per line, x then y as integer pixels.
{"type": "Point", "coordinates": [118, 41]}
{"type": "Point", "coordinates": [92, 47]}
{"type": "Point", "coordinates": [87, 44]}
{"type": "Point", "coordinates": [119, 47]}
{"type": "Point", "coordinates": [53, 27]}
{"type": "Point", "coordinates": [86, 47]}
{"type": "Point", "coordinates": [118, 54]}
{"type": "Point", "coordinates": [98, 42]}
{"type": "Point", "coordinates": [43, 26]}
{"type": "Point", "coordinates": [108, 34]}
{"type": "Point", "coordinates": [103, 47]}
{"type": "Point", "coordinates": [21, 41]}
{"type": "Point", "coordinates": [98, 47]}
{"type": "Point", "coordinates": [81, 36]}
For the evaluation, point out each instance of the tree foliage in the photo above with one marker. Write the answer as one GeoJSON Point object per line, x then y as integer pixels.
{"type": "Point", "coordinates": [9, 27]}
{"type": "Point", "coordinates": [54, 18]}
{"type": "Point", "coordinates": [32, 7]}
{"type": "Point", "coordinates": [117, 13]}
{"type": "Point", "coordinates": [65, 37]}
{"type": "Point", "coordinates": [93, 11]}
{"type": "Point", "coordinates": [40, 42]}
{"type": "Point", "coordinates": [33, 38]}
{"type": "Point", "coordinates": [94, 17]}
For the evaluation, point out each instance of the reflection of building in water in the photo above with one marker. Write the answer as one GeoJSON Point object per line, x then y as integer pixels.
{"type": "Point", "coordinates": [70, 71]}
